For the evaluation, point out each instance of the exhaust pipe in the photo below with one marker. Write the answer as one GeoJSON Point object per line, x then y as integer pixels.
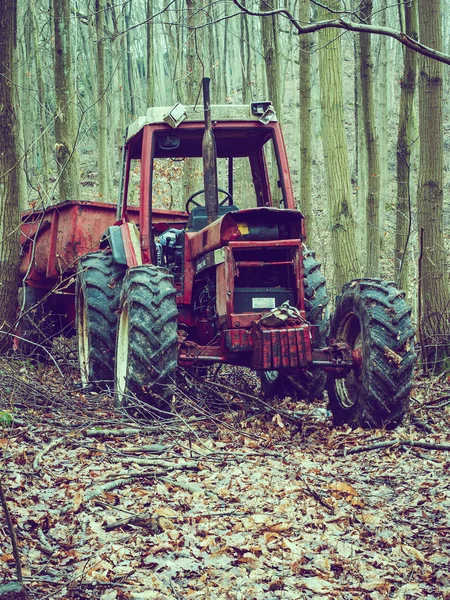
{"type": "Point", "coordinates": [209, 155]}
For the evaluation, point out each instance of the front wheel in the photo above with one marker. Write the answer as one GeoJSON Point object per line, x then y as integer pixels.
{"type": "Point", "coordinates": [374, 319]}
{"type": "Point", "coordinates": [147, 339]}
{"type": "Point", "coordinates": [99, 281]}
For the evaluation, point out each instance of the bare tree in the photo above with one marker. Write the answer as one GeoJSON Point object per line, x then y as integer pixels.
{"type": "Point", "coordinates": [9, 185]}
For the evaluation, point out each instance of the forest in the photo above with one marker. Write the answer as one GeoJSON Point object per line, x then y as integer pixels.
{"type": "Point", "coordinates": [235, 495]}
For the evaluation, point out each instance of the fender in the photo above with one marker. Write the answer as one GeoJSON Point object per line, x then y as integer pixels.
{"type": "Point", "coordinates": [124, 243]}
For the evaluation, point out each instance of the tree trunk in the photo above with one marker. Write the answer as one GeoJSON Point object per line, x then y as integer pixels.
{"type": "Point", "coordinates": [383, 77]}
{"type": "Point", "coordinates": [373, 162]}
{"type": "Point", "coordinates": [306, 43]}
{"type": "Point", "coordinates": [150, 56]}
{"type": "Point", "coordinates": [103, 191]}
{"type": "Point", "coordinates": [404, 141]}
{"type": "Point", "coordinates": [44, 144]}
{"type": "Point", "coordinates": [271, 46]}
{"type": "Point", "coordinates": [337, 170]}
{"type": "Point", "coordinates": [434, 297]}
{"type": "Point", "coordinates": [65, 120]}
{"type": "Point", "coordinates": [9, 185]}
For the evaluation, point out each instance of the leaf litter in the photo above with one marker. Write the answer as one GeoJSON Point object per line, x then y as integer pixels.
{"type": "Point", "coordinates": [231, 499]}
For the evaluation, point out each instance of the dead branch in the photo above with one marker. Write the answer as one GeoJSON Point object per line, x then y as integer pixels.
{"type": "Point", "coordinates": [112, 432]}
{"type": "Point", "coordinates": [156, 462]}
{"type": "Point", "coordinates": [193, 488]}
{"type": "Point", "coordinates": [390, 444]}
{"type": "Point", "coordinates": [144, 520]}
{"type": "Point", "coordinates": [44, 545]}
{"type": "Point", "coordinates": [311, 492]}
{"type": "Point", "coordinates": [44, 451]}
{"type": "Point", "coordinates": [12, 534]}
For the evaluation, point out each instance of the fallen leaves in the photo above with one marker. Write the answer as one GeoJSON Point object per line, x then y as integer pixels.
{"type": "Point", "coordinates": [235, 507]}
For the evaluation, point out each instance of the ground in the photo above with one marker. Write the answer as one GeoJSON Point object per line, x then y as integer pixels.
{"type": "Point", "coordinates": [230, 499]}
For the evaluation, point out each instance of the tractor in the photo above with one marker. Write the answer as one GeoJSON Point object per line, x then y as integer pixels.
{"type": "Point", "coordinates": [226, 278]}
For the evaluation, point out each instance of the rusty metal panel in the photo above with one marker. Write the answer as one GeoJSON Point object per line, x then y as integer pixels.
{"type": "Point", "coordinates": [285, 348]}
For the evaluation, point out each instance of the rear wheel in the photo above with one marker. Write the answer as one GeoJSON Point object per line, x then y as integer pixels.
{"type": "Point", "coordinates": [309, 384]}
{"type": "Point", "coordinates": [374, 319]}
{"type": "Point", "coordinates": [147, 339]}
{"type": "Point", "coordinates": [99, 281]}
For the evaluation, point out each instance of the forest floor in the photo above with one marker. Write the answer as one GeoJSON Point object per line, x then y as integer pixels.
{"type": "Point", "coordinates": [230, 499]}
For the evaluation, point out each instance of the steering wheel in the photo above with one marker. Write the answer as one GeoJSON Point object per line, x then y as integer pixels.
{"type": "Point", "coordinates": [191, 200]}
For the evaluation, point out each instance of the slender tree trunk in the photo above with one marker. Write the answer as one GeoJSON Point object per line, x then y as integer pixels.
{"type": "Point", "coordinates": [103, 191]}
{"type": "Point", "coordinates": [383, 77]}
{"type": "Point", "coordinates": [337, 170]}
{"type": "Point", "coordinates": [373, 162]}
{"type": "Point", "coordinates": [9, 185]}
{"type": "Point", "coordinates": [306, 43]}
{"type": "Point", "coordinates": [150, 55]}
{"type": "Point", "coordinates": [129, 62]}
{"type": "Point", "coordinates": [271, 46]}
{"type": "Point", "coordinates": [404, 141]}
{"type": "Point", "coordinates": [65, 121]}
{"type": "Point", "coordinates": [433, 267]}
{"type": "Point", "coordinates": [44, 144]}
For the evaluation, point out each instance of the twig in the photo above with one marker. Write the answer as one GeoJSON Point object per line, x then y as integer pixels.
{"type": "Point", "coordinates": [44, 544]}
{"type": "Point", "coordinates": [112, 432]}
{"type": "Point", "coordinates": [143, 520]}
{"type": "Point", "coordinates": [12, 534]}
{"type": "Point", "coordinates": [44, 451]}
{"type": "Point", "coordinates": [413, 443]}
{"type": "Point", "coordinates": [318, 497]}
{"type": "Point", "coordinates": [190, 487]}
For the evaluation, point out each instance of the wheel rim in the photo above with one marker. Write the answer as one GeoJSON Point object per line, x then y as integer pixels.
{"type": "Point", "coordinates": [348, 388]}
{"type": "Point", "coordinates": [122, 355]}
{"type": "Point", "coordinates": [83, 340]}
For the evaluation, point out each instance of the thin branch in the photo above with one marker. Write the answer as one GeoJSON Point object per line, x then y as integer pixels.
{"type": "Point", "coordinates": [380, 445]}
{"type": "Point", "coordinates": [348, 25]}
{"type": "Point", "coordinates": [12, 534]}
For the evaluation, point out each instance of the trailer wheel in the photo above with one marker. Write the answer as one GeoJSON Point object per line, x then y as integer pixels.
{"type": "Point", "coordinates": [373, 317]}
{"type": "Point", "coordinates": [310, 384]}
{"type": "Point", "coordinates": [35, 328]}
{"type": "Point", "coordinates": [147, 340]}
{"type": "Point", "coordinates": [98, 285]}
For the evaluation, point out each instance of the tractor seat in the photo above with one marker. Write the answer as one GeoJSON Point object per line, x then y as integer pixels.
{"type": "Point", "coordinates": [198, 220]}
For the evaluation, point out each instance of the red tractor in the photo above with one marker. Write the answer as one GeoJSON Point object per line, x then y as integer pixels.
{"type": "Point", "coordinates": [227, 280]}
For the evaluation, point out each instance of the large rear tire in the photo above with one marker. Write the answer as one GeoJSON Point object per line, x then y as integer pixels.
{"type": "Point", "coordinates": [310, 383]}
{"type": "Point", "coordinates": [98, 286]}
{"type": "Point", "coordinates": [374, 319]}
{"type": "Point", "coordinates": [147, 340]}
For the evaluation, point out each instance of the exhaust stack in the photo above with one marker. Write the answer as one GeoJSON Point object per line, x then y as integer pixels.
{"type": "Point", "coordinates": [209, 155]}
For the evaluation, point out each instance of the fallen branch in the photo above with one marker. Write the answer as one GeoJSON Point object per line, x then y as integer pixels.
{"type": "Point", "coordinates": [44, 451]}
{"type": "Point", "coordinates": [12, 535]}
{"type": "Point", "coordinates": [193, 488]}
{"type": "Point", "coordinates": [144, 520]}
{"type": "Point", "coordinates": [112, 432]}
{"type": "Point", "coordinates": [154, 462]}
{"type": "Point", "coordinates": [44, 545]}
{"type": "Point", "coordinates": [378, 446]}
{"type": "Point", "coordinates": [311, 492]}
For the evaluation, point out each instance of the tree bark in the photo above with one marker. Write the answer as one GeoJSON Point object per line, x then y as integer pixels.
{"type": "Point", "coordinates": [306, 43]}
{"type": "Point", "coordinates": [150, 56]}
{"type": "Point", "coordinates": [433, 286]}
{"type": "Point", "coordinates": [337, 170]}
{"type": "Point", "coordinates": [9, 185]}
{"type": "Point", "coordinates": [404, 141]}
{"type": "Point", "coordinates": [271, 46]}
{"type": "Point", "coordinates": [65, 121]}
{"type": "Point", "coordinates": [373, 162]}
{"type": "Point", "coordinates": [103, 190]}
